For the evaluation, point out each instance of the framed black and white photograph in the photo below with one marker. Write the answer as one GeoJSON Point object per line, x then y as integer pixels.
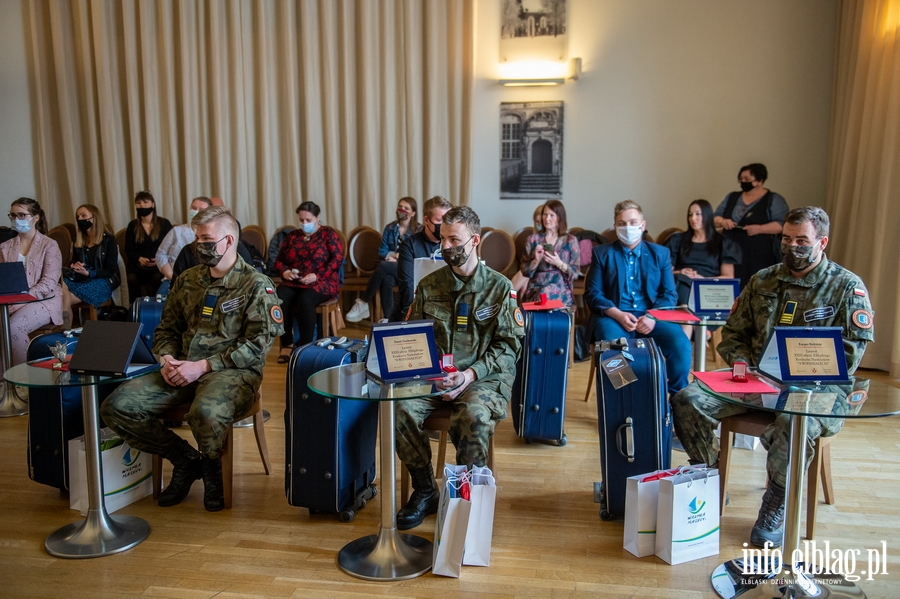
{"type": "Point", "coordinates": [533, 30]}
{"type": "Point", "coordinates": [531, 150]}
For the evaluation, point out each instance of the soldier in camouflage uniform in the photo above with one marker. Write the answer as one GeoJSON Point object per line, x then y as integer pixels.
{"type": "Point", "coordinates": [805, 290]}
{"type": "Point", "coordinates": [475, 319]}
{"type": "Point", "coordinates": [218, 324]}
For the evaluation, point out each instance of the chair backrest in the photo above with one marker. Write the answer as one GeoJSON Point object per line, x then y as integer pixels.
{"type": "Point", "coordinates": [120, 240]}
{"type": "Point", "coordinates": [255, 236]}
{"type": "Point", "coordinates": [663, 237]}
{"type": "Point", "coordinates": [61, 236]}
{"type": "Point", "coordinates": [586, 250]}
{"type": "Point", "coordinates": [574, 231]}
{"type": "Point", "coordinates": [71, 228]}
{"type": "Point", "coordinates": [362, 249]}
{"type": "Point", "coordinates": [498, 250]}
{"type": "Point", "coordinates": [520, 238]}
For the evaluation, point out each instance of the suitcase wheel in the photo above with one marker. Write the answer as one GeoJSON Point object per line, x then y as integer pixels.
{"type": "Point", "coordinates": [373, 491]}
{"type": "Point", "coordinates": [562, 440]}
{"type": "Point", "coordinates": [527, 441]}
{"type": "Point", "coordinates": [605, 515]}
{"type": "Point", "coordinates": [348, 514]}
{"type": "Point", "coordinates": [313, 512]}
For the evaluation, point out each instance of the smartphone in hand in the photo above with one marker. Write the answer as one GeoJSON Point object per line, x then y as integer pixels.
{"type": "Point", "coordinates": [548, 247]}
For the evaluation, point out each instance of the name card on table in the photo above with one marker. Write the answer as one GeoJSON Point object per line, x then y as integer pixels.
{"type": "Point", "coordinates": [805, 355]}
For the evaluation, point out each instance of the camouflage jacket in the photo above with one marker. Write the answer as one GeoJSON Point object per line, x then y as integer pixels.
{"type": "Point", "coordinates": [231, 322]}
{"type": "Point", "coordinates": [828, 296]}
{"type": "Point", "coordinates": [491, 339]}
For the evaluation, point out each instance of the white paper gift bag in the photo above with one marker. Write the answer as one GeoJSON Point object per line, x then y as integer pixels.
{"type": "Point", "coordinates": [687, 517]}
{"type": "Point", "coordinates": [641, 498]}
{"type": "Point", "coordinates": [482, 496]}
{"type": "Point", "coordinates": [127, 473]}
{"type": "Point", "coordinates": [452, 523]}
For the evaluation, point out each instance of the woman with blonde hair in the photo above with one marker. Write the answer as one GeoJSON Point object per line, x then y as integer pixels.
{"type": "Point", "coordinates": [94, 272]}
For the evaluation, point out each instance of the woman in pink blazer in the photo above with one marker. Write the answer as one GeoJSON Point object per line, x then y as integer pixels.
{"type": "Point", "coordinates": [43, 269]}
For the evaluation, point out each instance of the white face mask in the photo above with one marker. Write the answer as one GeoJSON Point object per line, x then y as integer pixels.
{"type": "Point", "coordinates": [191, 214]}
{"type": "Point", "coordinates": [22, 226]}
{"type": "Point", "coordinates": [629, 235]}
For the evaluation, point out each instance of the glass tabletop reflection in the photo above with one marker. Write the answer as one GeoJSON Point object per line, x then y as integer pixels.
{"type": "Point", "coordinates": [349, 381]}
{"type": "Point", "coordinates": [39, 373]}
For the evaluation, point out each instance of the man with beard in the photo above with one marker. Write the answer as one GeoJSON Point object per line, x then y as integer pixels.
{"type": "Point", "coordinates": [806, 289]}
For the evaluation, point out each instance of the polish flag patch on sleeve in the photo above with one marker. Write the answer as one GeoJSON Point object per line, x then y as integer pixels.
{"type": "Point", "coordinates": [269, 290]}
{"type": "Point", "coordinates": [859, 292]}
{"type": "Point", "coordinates": [513, 294]}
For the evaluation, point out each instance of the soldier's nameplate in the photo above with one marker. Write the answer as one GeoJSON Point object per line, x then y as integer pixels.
{"type": "Point", "coordinates": [811, 357]}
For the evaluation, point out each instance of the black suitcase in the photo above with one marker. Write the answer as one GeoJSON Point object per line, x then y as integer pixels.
{"type": "Point", "coordinates": [55, 417]}
{"type": "Point", "coordinates": [147, 310]}
{"type": "Point", "coordinates": [329, 443]}
{"type": "Point", "coordinates": [539, 390]}
{"type": "Point", "coordinates": [634, 421]}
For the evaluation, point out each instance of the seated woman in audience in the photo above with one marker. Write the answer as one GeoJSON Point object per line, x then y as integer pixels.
{"type": "Point", "coordinates": [520, 281]}
{"type": "Point", "coordinates": [142, 239]}
{"type": "Point", "coordinates": [94, 272]}
{"type": "Point", "coordinates": [309, 264]}
{"type": "Point", "coordinates": [43, 268]}
{"type": "Point", "coordinates": [384, 278]}
{"type": "Point", "coordinates": [700, 252]}
{"type": "Point", "coordinates": [177, 238]}
{"type": "Point", "coordinates": [552, 258]}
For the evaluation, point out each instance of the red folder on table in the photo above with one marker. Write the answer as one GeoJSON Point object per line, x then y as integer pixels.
{"type": "Point", "coordinates": [721, 381]}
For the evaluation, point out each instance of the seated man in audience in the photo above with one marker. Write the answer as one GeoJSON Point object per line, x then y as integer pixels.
{"type": "Point", "coordinates": [178, 237]}
{"type": "Point", "coordinates": [217, 327]}
{"type": "Point", "coordinates": [626, 279]}
{"type": "Point", "coordinates": [423, 244]}
{"type": "Point", "coordinates": [820, 293]}
{"type": "Point", "coordinates": [485, 345]}
{"type": "Point", "coordinates": [187, 257]}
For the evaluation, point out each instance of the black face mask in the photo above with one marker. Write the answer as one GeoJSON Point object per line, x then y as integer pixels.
{"type": "Point", "coordinates": [84, 224]}
{"type": "Point", "coordinates": [437, 231]}
{"type": "Point", "coordinates": [206, 252]}
{"type": "Point", "coordinates": [798, 257]}
{"type": "Point", "coordinates": [456, 255]}
{"type": "Point", "coordinates": [746, 185]}
{"type": "Point", "coordinates": [142, 212]}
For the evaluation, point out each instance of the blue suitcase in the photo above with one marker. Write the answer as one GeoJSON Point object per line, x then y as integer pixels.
{"type": "Point", "coordinates": [147, 310]}
{"type": "Point", "coordinates": [55, 417]}
{"type": "Point", "coordinates": [539, 390]}
{"type": "Point", "coordinates": [329, 443]}
{"type": "Point", "coordinates": [634, 421]}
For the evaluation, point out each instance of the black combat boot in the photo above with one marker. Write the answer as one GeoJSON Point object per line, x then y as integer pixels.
{"type": "Point", "coordinates": [213, 490]}
{"type": "Point", "coordinates": [769, 525]}
{"type": "Point", "coordinates": [186, 461]}
{"type": "Point", "coordinates": [424, 500]}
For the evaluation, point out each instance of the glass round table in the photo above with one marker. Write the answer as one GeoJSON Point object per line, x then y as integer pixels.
{"type": "Point", "coordinates": [387, 555]}
{"type": "Point", "coordinates": [762, 574]}
{"type": "Point", "coordinates": [99, 534]}
{"type": "Point", "coordinates": [10, 403]}
{"type": "Point", "coordinates": [681, 315]}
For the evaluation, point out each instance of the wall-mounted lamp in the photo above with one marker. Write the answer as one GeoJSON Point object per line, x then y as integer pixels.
{"type": "Point", "coordinates": [540, 73]}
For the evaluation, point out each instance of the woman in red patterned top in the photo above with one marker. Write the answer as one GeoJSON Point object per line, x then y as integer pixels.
{"type": "Point", "coordinates": [309, 263]}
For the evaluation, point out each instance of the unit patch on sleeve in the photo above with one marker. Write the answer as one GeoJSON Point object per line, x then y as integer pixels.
{"type": "Point", "coordinates": [276, 314]}
{"type": "Point", "coordinates": [862, 319]}
{"type": "Point", "coordinates": [520, 320]}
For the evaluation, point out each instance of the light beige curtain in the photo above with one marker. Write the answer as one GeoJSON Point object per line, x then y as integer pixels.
{"type": "Point", "coordinates": [863, 195]}
{"type": "Point", "coordinates": [351, 104]}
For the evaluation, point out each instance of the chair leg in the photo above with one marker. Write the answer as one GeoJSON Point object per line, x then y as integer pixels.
{"type": "Point", "coordinates": [726, 438]}
{"type": "Point", "coordinates": [259, 431]}
{"type": "Point", "coordinates": [827, 482]}
{"type": "Point", "coordinates": [157, 475]}
{"type": "Point", "coordinates": [324, 317]}
{"type": "Point", "coordinates": [442, 456]}
{"type": "Point", "coordinates": [591, 374]}
{"type": "Point", "coordinates": [228, 467]}
{"type": "Point", "coordinates": [819, 470]}
{"type": "Point", "coordinates": [338, 320]}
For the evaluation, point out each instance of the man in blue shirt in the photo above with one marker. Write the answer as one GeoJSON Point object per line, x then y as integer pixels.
{"type": "Point", "coordinates": [626, 279]}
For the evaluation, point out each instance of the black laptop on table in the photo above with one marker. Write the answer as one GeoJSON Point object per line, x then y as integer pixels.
{"type": "Point", "coordinates": [111, 348]}
{"type": "Point", "coordinates": [12, 279]}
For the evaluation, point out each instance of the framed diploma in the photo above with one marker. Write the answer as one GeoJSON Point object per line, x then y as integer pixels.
{"type": "Point", "coordinates": [403, 351]}
{"type": "Point", "coordinates": [713, 298]}
{"type": "Point", "coordinates": [805, 355]}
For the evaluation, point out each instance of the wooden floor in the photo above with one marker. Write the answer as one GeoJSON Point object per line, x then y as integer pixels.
{"type": "Point", "coordinates": [548, 538]}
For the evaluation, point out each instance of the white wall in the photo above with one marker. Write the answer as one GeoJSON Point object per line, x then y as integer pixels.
{"type": "Point", "coordinates": [17, 162]}
{"type": "Point", "coordinates": [675, 96]}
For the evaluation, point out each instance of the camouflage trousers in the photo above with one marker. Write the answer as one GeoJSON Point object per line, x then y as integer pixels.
{"type": "Point", "coordinates": [475, 414]}
{"type": "Point", "coordinates": [217, 399]}
{"type": "Point", "coordinates": [697, 413]}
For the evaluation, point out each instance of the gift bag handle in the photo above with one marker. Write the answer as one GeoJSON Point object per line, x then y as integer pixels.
{"type": "Point", "coordinates": [628, 427]}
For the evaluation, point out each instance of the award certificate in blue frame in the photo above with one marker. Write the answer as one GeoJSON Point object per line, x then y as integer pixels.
{"type": "Point", "coordinates": [713, 298]}
{"type": "Point", "coordinates": [403, 351]}
{"type": "Point", "coordinates": [805, 355]}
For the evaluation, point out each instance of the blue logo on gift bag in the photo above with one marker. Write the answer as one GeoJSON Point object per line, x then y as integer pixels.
{"type": "Point", "coordinates": [131, 456]}
{"type": "Point", "coordinates": [696, 507]}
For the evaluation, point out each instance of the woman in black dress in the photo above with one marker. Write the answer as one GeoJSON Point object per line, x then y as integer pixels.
{"type": "Point", "coordinates": [700, 252]}
{"type": "Point", "coordinates": [142, 239]}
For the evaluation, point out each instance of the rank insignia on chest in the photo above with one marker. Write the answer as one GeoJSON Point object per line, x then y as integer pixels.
{"type": "Point", "coordinates": [209, 306]}
{"type": "Point", "coordinates": [462, 317]}
{"type": "Point", "coordinates": [232, 304]}
{"type": "Point", "coordinates": [787, 315]}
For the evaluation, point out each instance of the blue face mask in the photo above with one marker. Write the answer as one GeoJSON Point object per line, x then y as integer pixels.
{"type": "Point", "coordinates": [308, 228]}
{"type": "Point", "coordinates": [22, 226]}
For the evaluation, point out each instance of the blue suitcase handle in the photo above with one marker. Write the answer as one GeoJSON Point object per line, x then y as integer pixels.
{"type": "Point", "coordinates": [628, 452]}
